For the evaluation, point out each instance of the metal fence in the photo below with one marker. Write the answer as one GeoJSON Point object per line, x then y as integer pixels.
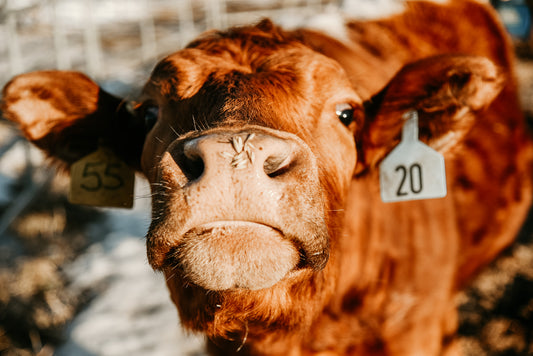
{"type": "Point", "coordinates": [115, 38]}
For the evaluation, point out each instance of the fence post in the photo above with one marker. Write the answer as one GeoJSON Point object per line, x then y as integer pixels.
{"type": "Point", "coordinates": [148, 35]}
{"type": "Point", "coordinates": [216, 14]}
{"type": "Point", "coordinates": [16, 64]}
{"type": "Point", "coordinates": [92, 42]}
{"type": "Point", "coordinates": [60, 40]}
{"type": "Point", "coordinates": [186, 27]}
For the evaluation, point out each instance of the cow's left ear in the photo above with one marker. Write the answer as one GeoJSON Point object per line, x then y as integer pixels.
{"type": "Point", "coordinates": [446, 91]}
{"type": "Point", "coordinates": [69, 116]}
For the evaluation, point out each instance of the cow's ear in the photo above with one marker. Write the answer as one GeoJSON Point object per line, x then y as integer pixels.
{"type": "Point", "coordinates": [69, 116]}
{"type": "Point", "coordinates": [446, 91]}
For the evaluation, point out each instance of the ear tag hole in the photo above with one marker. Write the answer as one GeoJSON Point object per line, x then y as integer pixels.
{"type": "Point", "coordinates": [412, 170]}
{"type": "Point", "coordinates": [102, 179]}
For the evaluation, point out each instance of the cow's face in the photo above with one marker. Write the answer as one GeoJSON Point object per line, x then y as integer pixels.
{"type": "Point", "coordinates": [249, 159]}
{"type": "Point", "coordinates": [251, 141]}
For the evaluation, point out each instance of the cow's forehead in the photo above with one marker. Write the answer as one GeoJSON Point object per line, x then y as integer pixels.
{"type": "Point", "coordinates": [249, 71]}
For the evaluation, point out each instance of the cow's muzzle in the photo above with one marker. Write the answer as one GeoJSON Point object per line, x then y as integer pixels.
{"type": "Point", "coordinates": [238, 209]}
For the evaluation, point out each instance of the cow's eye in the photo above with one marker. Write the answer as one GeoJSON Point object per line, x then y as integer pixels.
{"type": "Point", "coordinates": [345, 112]}
{"type": "Point", "coordinates": [151, 113]}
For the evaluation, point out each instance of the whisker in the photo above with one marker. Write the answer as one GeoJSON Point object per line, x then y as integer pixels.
{"type": "Point", "coordinates": [142, 196]}
{"type": "Point", "coordinates": [159, 184]}
{"type": "Point", "coordinates": [244, 339]}
{"type": "Point", "coordinates": [170, 276]}
{"type": "Point", "coordinates": [174, 130]}
{"type": "Point", "coordinates": [194, 125]}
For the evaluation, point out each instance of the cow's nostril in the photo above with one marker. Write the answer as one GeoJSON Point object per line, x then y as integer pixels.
{"type": "Point", "coordinates": [190, 161]}
{"type": "Point", "coordinates": [192, 168]}
{"type": "Point", "coordinates": [276, 166]}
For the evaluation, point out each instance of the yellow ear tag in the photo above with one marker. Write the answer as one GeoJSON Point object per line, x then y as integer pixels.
{"type": "Point", "coordinates": [101, 179]}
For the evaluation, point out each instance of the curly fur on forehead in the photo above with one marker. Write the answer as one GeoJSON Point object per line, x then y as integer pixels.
{"type": "Point", "coordinates": [243, 50]}
{"type": "Point", "coordinates": [236, 41]}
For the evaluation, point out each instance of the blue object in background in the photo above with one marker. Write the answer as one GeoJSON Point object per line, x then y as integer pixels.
{"type": "Point", "coordinates": [516, 16]}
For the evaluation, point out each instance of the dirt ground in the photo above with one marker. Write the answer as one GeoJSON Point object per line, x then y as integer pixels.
{"type": "Point", "coordinates": [496, 312]}
{"type": "Point", "coordinates": [36, 303]}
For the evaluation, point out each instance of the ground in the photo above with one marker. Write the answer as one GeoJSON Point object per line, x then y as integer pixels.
{"type": "Point", "coordinates": [496, 311]}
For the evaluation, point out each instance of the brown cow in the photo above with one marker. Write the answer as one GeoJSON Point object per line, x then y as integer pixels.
{"type": "Point", "coordinates": [264, 158]}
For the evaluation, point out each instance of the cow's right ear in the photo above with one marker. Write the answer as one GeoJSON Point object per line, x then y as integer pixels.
{"type": "Point", "coordinates": [447, 91]}
{"type": "Point", "coordinates": [69, 116]}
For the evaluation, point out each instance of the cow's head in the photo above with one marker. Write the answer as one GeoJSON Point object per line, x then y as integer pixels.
{"type": "Point", "coordinates": [250, 141]}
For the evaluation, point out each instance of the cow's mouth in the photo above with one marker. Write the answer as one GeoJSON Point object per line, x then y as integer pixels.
{"type": "Point", "coordinates": [227, 255]}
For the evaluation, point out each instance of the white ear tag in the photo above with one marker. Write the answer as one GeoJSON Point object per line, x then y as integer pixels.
{"type": "Point", "coordinates": [413, 170]}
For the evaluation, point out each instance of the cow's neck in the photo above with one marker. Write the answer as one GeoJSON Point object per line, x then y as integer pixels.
{"type": "Point", "coordinates": [377, 290]}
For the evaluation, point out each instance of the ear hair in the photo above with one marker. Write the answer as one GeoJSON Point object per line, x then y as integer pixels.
{"type": "Point", "coordinates": [446, 90]}
{"type": "Point", "coordinates": [68, 116]}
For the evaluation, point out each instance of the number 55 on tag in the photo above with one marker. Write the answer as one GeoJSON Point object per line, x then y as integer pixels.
{"type": "Point", "coordinates": [413, 170]}
{"type": "Point", "coordinates": [101, 179]}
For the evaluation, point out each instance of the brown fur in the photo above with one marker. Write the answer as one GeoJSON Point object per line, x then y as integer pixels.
{"type": "Point", "coordinates": [389, 285]}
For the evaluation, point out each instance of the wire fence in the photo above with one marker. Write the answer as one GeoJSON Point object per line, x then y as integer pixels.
{"type": "Point", "coordinates": [114, 39]}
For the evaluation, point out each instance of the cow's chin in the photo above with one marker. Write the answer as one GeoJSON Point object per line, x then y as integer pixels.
{"type": "Point", "coordinates": [229, 255]}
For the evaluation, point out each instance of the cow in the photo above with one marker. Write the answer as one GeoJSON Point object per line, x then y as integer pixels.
{"type": "Point", "coordinates": [263, 147]}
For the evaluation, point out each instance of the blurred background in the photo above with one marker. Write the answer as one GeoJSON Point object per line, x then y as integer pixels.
{"type": "Point", "coordinates": [74, 280]}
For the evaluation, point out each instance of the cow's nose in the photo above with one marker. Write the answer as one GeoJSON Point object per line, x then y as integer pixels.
{"type": "Point", "coordinates": [242, 154]}
{"type": "Point", "coordinates": [256, 186]}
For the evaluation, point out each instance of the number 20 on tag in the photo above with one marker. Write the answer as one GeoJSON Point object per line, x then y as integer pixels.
{"type": "Point", "coordinates": [413, 170]}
